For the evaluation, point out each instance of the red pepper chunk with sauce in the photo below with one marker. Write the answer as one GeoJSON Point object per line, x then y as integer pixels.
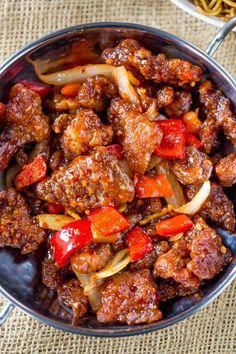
{"type": "Point", "coordinates": [69, 239]}
{"type": "Point", "coordinates": [173, 142]}
{"type": "Point", "coordinates": [55, 208]}
{"type": "Point", "coordinates": [173, 226]}
{"type": "Point", "coordinates": [191, 140]}
{"type": "Point", "coordinates": [34, 172]}
{"type": "Point", "coordinates": [108, 220]}
{"type": "Point", "coordinates": [37, 87]}
{"type": "Point", "coordinates": [139, 243]}
{"type": "Point", "coordinates": [2, 111]}
{"type": "Point", "coordinates": [151, 187]}
{"type": "Point", "coordinates": [116, 150]}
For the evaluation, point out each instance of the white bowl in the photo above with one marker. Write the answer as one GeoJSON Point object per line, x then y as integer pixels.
{"type": "Point", "coordinates": [189, 7]}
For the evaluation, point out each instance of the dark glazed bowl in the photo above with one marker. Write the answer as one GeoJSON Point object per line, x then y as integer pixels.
{"type": "Point", "coordinates": [20, 275]}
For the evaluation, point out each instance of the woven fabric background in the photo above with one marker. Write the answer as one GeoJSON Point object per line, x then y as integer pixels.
{"type": "Point", "coordinates": [213, 329]}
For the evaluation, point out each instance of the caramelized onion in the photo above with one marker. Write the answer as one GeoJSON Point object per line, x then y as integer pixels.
{"type": "Point", "coordinates": [76, 74]}
{"type": "Point", "coordinates": [53, 221]}
{"type": "Point", "coordinates": [177, 199]}
{"type": "Point", "coordinates": [125, 88]}
{"type": "Point", "coordinates": [83, 72]}
{"type": "Point", "coordinates": [151, 113]}
{"type": "Point", "coordinates": [119, 262]}
{"type": "Point", "coordinates": [133, 80]}
{"type": "Point", "coordinates": [73, 214]}
{"type": "Point", "coordinates": [154, 216]}
{"type": "Point", "coordinates": [195, 204]}
{"type": "Point", "coordinates": [91, 288]}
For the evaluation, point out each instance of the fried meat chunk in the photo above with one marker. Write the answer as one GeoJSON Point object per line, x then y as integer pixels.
{"type": "Point", "coordinates": [217, 208]}
{"type": "Point", "coordinates": [195, 168]}
{"type": "Point", "coordinates": [88, 182]}
{"type": "Point", "coordinates": [198, 255]}
{"type": "Point", "coordinates": [85, 132]}
{"type": "Point", "coordinates": [218, 111]}
{"type": "Point", "coordinates": [130, 297]}
{"type": "Point", "coordinates": [181, 104]}
{"type": "Point", "coordinates": [208, 254]}
{"type": "Point", "coordinates": [92, 260]}
{"type": "Point", "coordinates": [71, 294]}
{"type": "Point", "coordinates": [158, 68]}
{"type": "Point", "coordinates": [136, 133]}
{"type": "Point", "coordinates": [17, 228]}
{"type": "Point", "coordinates": [225, 170]}
{"type": "Point", "coordinates": [25, 122]}
{"type": "Point", "coordinates": [95, 93]}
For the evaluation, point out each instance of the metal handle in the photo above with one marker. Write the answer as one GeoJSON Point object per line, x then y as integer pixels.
{"type": "Point", "coordinates": [220, 37]}
{"type": "Point", "coordinates": [6, 312]}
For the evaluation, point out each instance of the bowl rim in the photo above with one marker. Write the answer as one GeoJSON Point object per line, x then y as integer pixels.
{"type": "Point", "coordinates": [119, 332]}
{"type": "Point", "coordinates": [189, 7]}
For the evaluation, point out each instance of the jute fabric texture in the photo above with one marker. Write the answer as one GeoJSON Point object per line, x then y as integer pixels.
{"type": "Point", "coordinates": [213, 329]}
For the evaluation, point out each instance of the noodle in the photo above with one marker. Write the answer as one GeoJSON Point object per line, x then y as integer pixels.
{"type": "Point", "coordinates": [225, 9]}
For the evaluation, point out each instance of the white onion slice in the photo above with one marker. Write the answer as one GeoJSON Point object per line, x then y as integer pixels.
{"type": "Point", "coordinates": [125, 88]}
{"type": "Point", "coordinates": [76, 74]}
{"type": "Point", "coordinates": [53, 221]}
{"type": "Point", "coordinates": [178, 198]}
{"type": "Point", "coordinates": [195, 204]}
{"type": "Point", "coordinates": [73, 214]}
{"type": "Point", "coordinates": [119, 262]}
{"type": "Point", "coordinates": [133, 80]}
{"type": "Point", "coordinates": [123, 78]}
{"type": "Point", "coordinates": [151, 113]}
{"type": "Point", "coordinates": [91, 289]}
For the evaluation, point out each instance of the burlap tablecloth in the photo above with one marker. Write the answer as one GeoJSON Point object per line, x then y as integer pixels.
{"type": "Point", "coordinates": [213, 329]}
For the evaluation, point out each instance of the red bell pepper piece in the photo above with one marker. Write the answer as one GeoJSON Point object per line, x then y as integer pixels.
{"type": "Point", "coordinates": [139, 243]}
{"type": "Point", "coordinates": [191, 140]}
{"type": "Point", "coordinates": [173, 226]}
{"type": "Point", "coordinates": [116, 150]}
{"type": "Point", "coordinates": [34, 172]}
{"type": "Point", "coordinates": [37, 87]}
{"type": "Point", "coordinates": [2, 110]}
{"type": "Point", "coordinates": [172, 145]}
{"type": "Point", "coordinates": [150, 187]}
{"type": "Point", "coordinates": [55, 208]}
{"type": "Point", "coordinates": [69, 239]}
{"type": "Point", "coordinates": [108, 220]}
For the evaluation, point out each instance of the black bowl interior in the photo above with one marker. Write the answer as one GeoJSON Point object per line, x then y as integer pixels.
{"type": "Point", "coordinates": [20, 279]}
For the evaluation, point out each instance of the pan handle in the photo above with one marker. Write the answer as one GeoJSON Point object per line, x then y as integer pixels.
{"type": "Point", "coordinates": [220, 37]}
{"type": "Point", "coordinates": [5, 312]}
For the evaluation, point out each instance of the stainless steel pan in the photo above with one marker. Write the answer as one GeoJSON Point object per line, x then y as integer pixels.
{"type": "Point", "coordinates": [20, 275]}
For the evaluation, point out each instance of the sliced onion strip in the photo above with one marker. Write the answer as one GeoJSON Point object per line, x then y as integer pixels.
{"type": "Point", "coordinates": [178, 198]}
{"type": "Point", "coordinates": [53, 221]}
{"type": "Point", "coordinates": [151, 113]}
{"type": "Point", "coordinates": [133, 80]}
{"type": "Point", "coordinates": [76, 74]}
{"type": "Point", "coordinates": [195, 204]}
{"type": "Point", "coordinates": [119, 262]}
{"type": "Point", "coordinates": [125, 88]}
{"type": "Point", "coordinates": [73, 214]}
{"type": "Point", "coordinates": [154, 216]}
{"type": "Point", "coordinates": [91, 289]}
